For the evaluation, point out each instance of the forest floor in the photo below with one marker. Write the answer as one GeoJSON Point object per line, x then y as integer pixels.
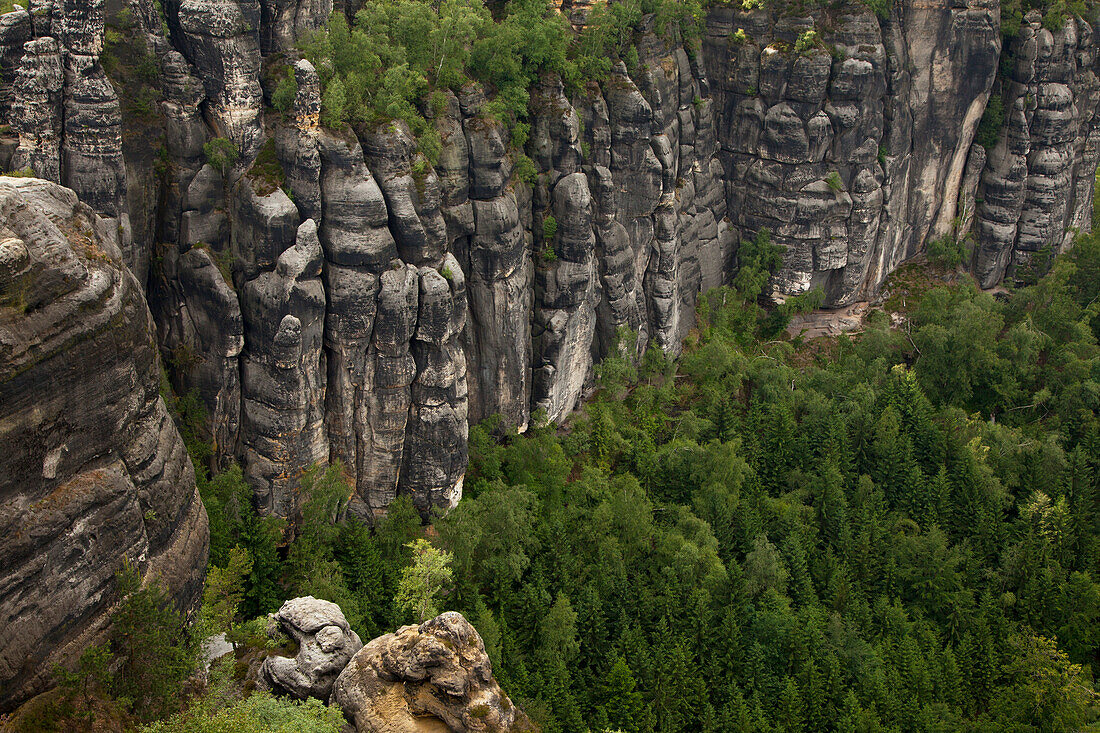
{"type": "Point", "coordinates": [815, 333]}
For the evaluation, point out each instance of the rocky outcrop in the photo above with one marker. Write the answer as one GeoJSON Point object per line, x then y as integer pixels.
{"type": "Point", "coordinates": [63, 108]}
{"type": "Point", "coordinates": [488, 225]}
{"type": "Point", "coordinates": [334, 295]}
{"type": "Point", "coordinates": [851, 150]}
{"type": "Point", "coordinates": [93, 471]}
{"type": "Point", "coordinates": [325, 646]}
{"type": "Point", "coordinates": [36, 109]}
{"type": "Point", "coordinates": [427, 677]}
{"type": "Point", "coordinates": [283, 372]}
{"type": "Point", "coordinates": [221, 39]}
{"type": "Point", "coordinates": [1037, 185]}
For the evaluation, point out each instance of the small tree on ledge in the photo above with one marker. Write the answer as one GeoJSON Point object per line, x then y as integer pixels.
{"type": "Point", "coordinates": [423, 582]}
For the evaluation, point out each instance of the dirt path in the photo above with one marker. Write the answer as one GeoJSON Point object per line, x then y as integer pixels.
{"type": "Point", "coordinates": [829, 322]}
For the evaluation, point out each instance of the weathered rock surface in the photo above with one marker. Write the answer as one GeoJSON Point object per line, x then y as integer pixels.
{"type": "Point", "coordinates": [93, 470]}
{"type": "Point", "coordinates": [325, 646]}
{"type": "Point", "coordinates": [1037, 185]}
{"type": "Point", "coordinates": [221, 39]}
{"type": "Point", "coordinates": [427, 677]}
{"type": "Point", "coordinates": [365, 305]}
{"type": "Point", "coordinates": [853, 160]}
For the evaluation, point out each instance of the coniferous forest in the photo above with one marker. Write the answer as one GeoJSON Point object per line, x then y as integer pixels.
{"type": "Point", "coordinates": [891, 531]}
{"type": "Point", "coordinates": [895, 530]}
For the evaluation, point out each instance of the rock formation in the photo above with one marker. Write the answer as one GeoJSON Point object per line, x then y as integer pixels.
{"type": "Point", "coordinates": [1037, 182]}
{"type": "Point", "coordinates": [435, 676]}
{"type": "Point", "coordinates": [325, 646]}
{"type": "Point", "coordinates": [93, 470]}
{"type": "Point", "coordinates": [333, 295]}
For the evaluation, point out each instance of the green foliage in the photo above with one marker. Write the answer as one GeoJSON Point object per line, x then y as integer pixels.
{"type": "Point", "coordinates": [1046, 690]}
{"type": "Point", "coordinates": [901, 537]}
{"type": "Point", "coordinates": [547, 254]}
{"type": "Point", "coordinates": [133, 70]}
{"type": "Point", "coordinates": [258, 713]}
{"type": "Point", "coordinates": [392, 60]}
{"type": "Point", "coordinates": [1054, 19]}
{"type": "Point", "coordinates": [266, 172]}
{"type": "Point", "coordinates": [525, 169]}
{"type": "Point", "coordinates": [834, 181]}
{"type": "Point", "coordinates": [223, 592]}
{"type": "Point", "coordinates": [152, 648]}
{"type": "Point", "coordinates": [381, 67]}
{"type": "Point", "coordinates": [286, 91]}
{"type": "Point", "coordinates": [946, 251]}
{"type": "Point", "coordinates": [221, 153]}
{"type": "Point", "coordinates": [806, 42]}
{"type": "Point", "coordinates": [234, 522]}
{"type": "Point", "coordinates": [549, 228]}
{"type": "Point", "coordinates": [311, 564]}
{"type": "Point", "coordinates": [806, 302]}
{"type": "Point", "coordinates": [747, 540]}
{"type": "Point", "coordinates": [993, 119]}
{"type": "Point", "coordinates": [881, 8]}
{"type": "Point", "coordinates": [423, 582]}
{"type": "Point", "coordinates": [757, 259]}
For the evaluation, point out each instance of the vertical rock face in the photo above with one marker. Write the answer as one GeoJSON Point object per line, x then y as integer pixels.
{"type": "Point", "coordinates": [221, 38]}
{"type": "Point", "coordinates": [36, 109]}
{"type": "Point", "coordinates": [283, 372]}
{"type": "Point", "coordinates": [64, 109]}
{"type": "Point", "coordinates": [853, 157]}
{"type": "Point", "coordinates": [490, 223]}
{"type": "Point", "coordinates": [93, 469]}
{"type": "Point", "coordinates": [1037, 184]}
{"type": "Point", "coordinates": [333, 295]}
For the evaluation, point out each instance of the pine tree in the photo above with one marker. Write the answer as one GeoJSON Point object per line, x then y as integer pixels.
{"type": "Point", "coordinates": [790, 713]}
{"type": "Point", "coordinates": [260, 536]}
{"type": "Point", "coordinates": [851, 714]}
{"type": "Point", "coordinates": [363, 571]}
{"type": "Point", "coordinates": [812, 690]}
{"type": "Point", "coordinates": [223, 593]}
{"type": "Point", "coordinates": [622, 701]}
{"type": "Point", "coordinates": [152, 646]}
{"type": "Point", "coordinates": [949, 682]}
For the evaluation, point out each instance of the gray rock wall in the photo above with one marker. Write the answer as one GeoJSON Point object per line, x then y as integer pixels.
{"type": "Point", "coordinates": [1036, 186]}
{"type": "Point", "coordinates": [852, 151]}
{"type": "Point", "coordinates": [373, 305]}
{"type": "Point", "coordinates": [93, 471]}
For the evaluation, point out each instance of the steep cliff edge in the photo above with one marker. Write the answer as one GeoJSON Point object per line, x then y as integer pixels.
{"type": "Point", "coordinates": [93, 470]}
{"type": "Point", "coordinates": [332, 293]}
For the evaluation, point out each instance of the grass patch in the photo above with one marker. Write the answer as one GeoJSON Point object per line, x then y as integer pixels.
{"type": "Point", "coordinates": [267, 172]}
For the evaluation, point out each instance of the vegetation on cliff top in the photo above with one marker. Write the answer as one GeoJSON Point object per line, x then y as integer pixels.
{"type": "Point", "coordinates": [395, 59]}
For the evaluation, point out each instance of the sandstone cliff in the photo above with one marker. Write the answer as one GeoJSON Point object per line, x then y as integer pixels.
{"type": "Point", "coordinates": [435, 676]}
{"type": "Point", "coordinates": [333, 295]}
{"type": "Point", "coordinates": [92, 470]}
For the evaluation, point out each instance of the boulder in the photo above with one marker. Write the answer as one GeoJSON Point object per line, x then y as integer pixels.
{"type": "Point", "coordinates": [435, 676]}
{"type": "Point", "coordinates": [325, 646]}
